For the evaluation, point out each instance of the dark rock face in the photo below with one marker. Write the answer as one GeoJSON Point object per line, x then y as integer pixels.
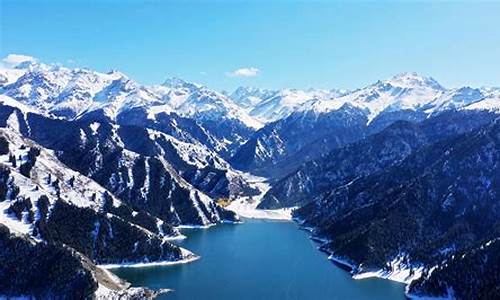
{"type": "Point", "coordinates": [367, 156]}
{"type": "Point", "coordinates": [42, 270]}
{"type": "Point", "coordinates": [439, 201]}
{"type": "Point", "coordinates": [282, 146]}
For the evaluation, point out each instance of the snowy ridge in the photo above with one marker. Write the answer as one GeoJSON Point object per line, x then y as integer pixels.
{"type": "Point", "coordinates": [196, 101]}
{"type": "Point", "coordinates": [72, 93]}
{"type": "Point", "coordinates": [410, 91]}
{"type": "Point", "coordinates": [50, 178]}
{"type": "Point", "coordinates": [285, 102]}
{"type": "Point", "coordinates": [403, 91]}
{"type": "Point", "coordinates": [193, 153]}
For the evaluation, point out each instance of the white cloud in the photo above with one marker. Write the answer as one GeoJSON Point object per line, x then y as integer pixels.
{"type": "Point", "coordinates": [13, 60]}
{"type": "Point", "coordinates": [244, 72]}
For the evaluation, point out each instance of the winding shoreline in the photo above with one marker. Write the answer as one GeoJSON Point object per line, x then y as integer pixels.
{"type": "Point", "coordinates": [347, 266]}
{"type": "Point", "coordinates": [150, 264]}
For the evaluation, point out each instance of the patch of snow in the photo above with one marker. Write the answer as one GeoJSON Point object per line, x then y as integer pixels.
{"type": "Point", "coordinates": [247, 206]}
{"type": "Point", "coordinates": [11, 221]}
{"type": "Point", "coordinates": [151, 264]}
{"type": "Point", "coordinates": [400, 272]}
{"type": "Point", "coordinates": [13, 122]}
{"type": "Point", "coordinates": [187, 226]}
{"type": "Point", "coordinates": [249, 210]}
{"type": "Point", "coordinates": [94, 127]}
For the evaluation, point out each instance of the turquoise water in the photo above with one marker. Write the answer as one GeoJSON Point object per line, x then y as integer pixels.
{"type": "Point", "coordinates": [257, 260]}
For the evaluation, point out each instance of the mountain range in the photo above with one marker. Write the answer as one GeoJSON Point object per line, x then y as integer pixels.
{"type": "Point", "coordinates": [398, 179]}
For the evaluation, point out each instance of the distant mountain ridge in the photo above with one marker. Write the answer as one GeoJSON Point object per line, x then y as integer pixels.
{"type": "Point", "coordinates": [322, 126]}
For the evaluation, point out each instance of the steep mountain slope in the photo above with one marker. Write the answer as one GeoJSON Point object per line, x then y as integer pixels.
{"type": "Point", "coordinates": [218, 114]}
{"type": "Point", "coordinates": [40, 195]}
{"type": "Point", "coordinates": [53, 218]}
{"type": "Point", "coordinates": [407, 97]}
{"type": "Point", "coordinates": [367, 156]}
{"type": "Point", "coordinates": [470, 274]}
{"type": "Point", "coordinates": [24, 270]}
{"type": "Point", "coordinates": [130, 163]}
{"type": "Point", "coordinates": [410, 217]}
{"type": "Point", "coordinates": [282, 146]}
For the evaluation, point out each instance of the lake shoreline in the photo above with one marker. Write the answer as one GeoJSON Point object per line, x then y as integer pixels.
{"type": "Point", "coordinates": [247, 257]}
{"type": "Point", "coordinates": [349, 267]}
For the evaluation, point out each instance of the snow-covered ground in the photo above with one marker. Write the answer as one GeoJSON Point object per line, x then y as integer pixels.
{"type": "Point", "coordinates": [188, 257]}
{"type": "Point", "coordinates": [150, 264]}
{"type": "Point", "coordinates": [400, 272]}
{"type": "Point", "coordinates": [246, 207]}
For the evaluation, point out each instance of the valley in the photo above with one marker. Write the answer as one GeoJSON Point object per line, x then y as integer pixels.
{"type": "Point", "coordinates": [209, 193]}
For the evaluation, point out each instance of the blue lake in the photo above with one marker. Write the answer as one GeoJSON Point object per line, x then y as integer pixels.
{"type": "Point", "coordinates": [257, 260]}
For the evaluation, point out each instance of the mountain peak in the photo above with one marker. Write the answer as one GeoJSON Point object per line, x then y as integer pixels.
{"type": "Point", "coordinates": [412, 80]}
{"type": "Point", "coordinates": [176, 82]}
{"type": "Point", "coordinates": [117, 74]}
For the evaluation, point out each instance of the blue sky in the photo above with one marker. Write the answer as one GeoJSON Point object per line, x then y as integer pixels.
{"type": "Point", "coordinates": [274, 44]}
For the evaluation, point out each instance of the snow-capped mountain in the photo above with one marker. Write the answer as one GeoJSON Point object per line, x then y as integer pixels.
{"type": "Point", "coordinates": [130, 160]}
{"type": "Point", "coordinates": [79, 93]}
{"type": "Point", "coordinates": [271, 105]}
{"type": "Point", "coordinates": [249, 97]}
{"type": "Point", "coordinates": [14, 66]}
{"type": "Point", "coordinates": [70, 93]}
{"type": "Point", "coordinates": [71, 219]}
{"type": "Point", "coordinates": [406, 91]}
{"type": "Point", "coordinates": [409, 92]}
{"type": "Point", "coordinates": [218, 114]}
{"type": "Point", "coordinates": [97, 168]}
{"type": "Point", "coordinates": [316, 130]}
{"type": "Point", "coordinates": [285, 102]}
